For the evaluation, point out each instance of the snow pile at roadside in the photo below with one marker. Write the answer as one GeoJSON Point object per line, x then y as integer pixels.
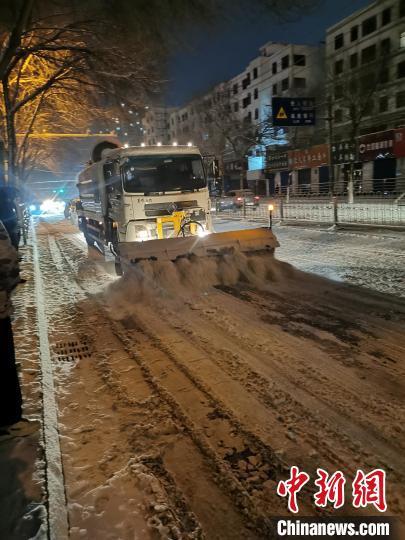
{"type": "Point", "coordinates": [156, 280]}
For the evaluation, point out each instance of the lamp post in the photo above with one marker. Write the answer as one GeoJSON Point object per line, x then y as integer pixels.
{"type": "Point", "coordinates": [270, 208]}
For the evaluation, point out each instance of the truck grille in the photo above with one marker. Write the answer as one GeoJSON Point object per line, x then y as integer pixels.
{"type": "Point", "coordinates": [167, 208]}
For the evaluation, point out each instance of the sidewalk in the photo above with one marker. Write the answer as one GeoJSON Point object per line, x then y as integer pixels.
{"type": "Point", "coordinates": [23, 512]}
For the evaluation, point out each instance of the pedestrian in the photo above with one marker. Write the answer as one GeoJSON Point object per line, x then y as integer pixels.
{"type": "Point", "coordinates": [8, 214]}
{"type": "Point", "coordinates": [11, 422]}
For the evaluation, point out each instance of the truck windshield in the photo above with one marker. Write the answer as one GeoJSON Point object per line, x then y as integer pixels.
{"type": "Point", "coordinates": [160, 173]}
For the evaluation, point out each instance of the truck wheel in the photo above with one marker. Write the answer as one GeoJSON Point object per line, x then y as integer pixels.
{"type": "Point", "coordinates": [118, 268]}
{"type": "Point", "coordinates": [89, 240]}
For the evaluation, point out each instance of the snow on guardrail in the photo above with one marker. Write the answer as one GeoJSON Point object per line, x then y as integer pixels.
{"type": "Point", "coordinates": [331, 212]}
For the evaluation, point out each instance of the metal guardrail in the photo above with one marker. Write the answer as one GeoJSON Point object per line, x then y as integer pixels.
{"type": "Point", "coordinates": [388, 188]}
{"type": "Point", "coordinates": [321, 212]}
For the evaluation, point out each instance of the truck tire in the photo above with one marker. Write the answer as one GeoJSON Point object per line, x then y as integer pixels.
{"type": "Point", "coordinates": [118, 268]}
{"type": "Point", "coordinates": [89, 240]}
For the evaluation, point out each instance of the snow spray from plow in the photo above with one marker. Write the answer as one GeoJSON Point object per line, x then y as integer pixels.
{"type": "Point", "coordinates": [152, 279]}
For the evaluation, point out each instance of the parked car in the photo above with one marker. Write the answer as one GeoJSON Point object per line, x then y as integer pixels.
{"type": "Point", "coordinates": [236, 199]}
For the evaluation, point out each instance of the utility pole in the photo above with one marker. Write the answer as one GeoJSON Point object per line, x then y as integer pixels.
{"type": "Point", "coordinates": [329, 119]}
{"type": "Point", "coordinates": [350, 184]}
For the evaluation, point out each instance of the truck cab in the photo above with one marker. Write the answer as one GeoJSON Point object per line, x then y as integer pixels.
{"type": "Point", "coordinates": [138, 194]}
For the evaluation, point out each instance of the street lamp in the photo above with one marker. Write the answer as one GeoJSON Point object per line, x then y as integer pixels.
{"type": "Point", "coordinates": [270, 209]}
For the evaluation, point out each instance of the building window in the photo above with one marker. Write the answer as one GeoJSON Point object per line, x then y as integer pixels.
{"type": "Point", "coordinates": [275, 89]}
{"type": "Point", "coordinates": [353, 60]}
{"type": "Point", "coordinates": [255, 73]}
{"type": "Point", "coordinates": [338, 91]}
{"type": "Point", "coordinates": [369, 107]}
{"type": "Point", "coordinates": [385, 46]}
{"type": "Point", "coordinates": [246, 101]}
{"type": "Point", "coordinates": [256, 93]}
{"type": "Point", "coordinates": [402, 40]}
{"type": "Point", "coordinates": [246, 81]}
{"type": "Point", "coordinates": [338, 67]}
{"type": "Point", "coordinates": [383, 104]}
{"type": "Point", "coordinates": [256, 114]}
{"type": "Point", "coordinates": [284, 84]}
{"type": "Point", "coordinates": [366, 82]}
{"type": "Point", "coordinates": [386, 16]}
{"type": "Point", "coordinates": [401, 70]}
{"type": "Point", "coordinates": [285, 62]}
{"type": "Point", "coordinates": [338, 115]}
{"type": "Point", "coordinates": [368, 54]}
{"type": "Point", "coordinates": [354, 33]}
{"type": "Point", "coordinates": [249, 116]}
{"type": "Point", "coordinates": [369, 26]}
{"type": "Point", "coordinates": [400, 99]}
{"type": "Point", "coordinates": [402, 8]}
{"type": "Point", "coordinates": [339, 41]}
{"type": "Point", "coordinates": [299, 59]}
{"type": "Point", "coordinates": [236, 106]}
{"type": "Point", "coordinates": [299, 82]}
{"type": "Point", "coordinates": [235, 88]}
{"type": "Point", "coordinates": [274, 68]}
{"type": "Point", "coordinates": [384, 76]}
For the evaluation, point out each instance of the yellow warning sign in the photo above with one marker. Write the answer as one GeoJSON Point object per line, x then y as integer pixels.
{"type": "Point", "coordinates": [281, 115]}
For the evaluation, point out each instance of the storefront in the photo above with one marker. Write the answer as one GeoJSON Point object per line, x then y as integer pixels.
{"type": "Point", "coordinates": [256, 181]}
{"type": "Point", "coordinates": [343, 156]}
{"type": "Point", "coordinates": [304, 180]}
{"type": "Point", "coordinates": [277, 172]}
{"type": "Point", "coordinates": [378, 148]}
{"type": "Point", "coordinates": [233, 171]}
{"type": "Point", "coordinates": [310, 169]}
{"type": "Point", "coordinates": [399, 153]}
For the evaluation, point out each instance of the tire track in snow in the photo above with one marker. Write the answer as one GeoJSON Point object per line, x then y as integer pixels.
{"type": "Point", "coordinates": [139, 342]}
{"type": "Point", "coordinates": [57, 510]}
{"type": "Point", "coordinates": [225, 479]}
{"type": "Point", "coordinates": [297, 374]}
{"type": "Point", "coordinates": [297, 391]}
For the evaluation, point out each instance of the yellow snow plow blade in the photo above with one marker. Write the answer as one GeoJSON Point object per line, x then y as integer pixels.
{"type": "Point", "coordinates": [214, 244]}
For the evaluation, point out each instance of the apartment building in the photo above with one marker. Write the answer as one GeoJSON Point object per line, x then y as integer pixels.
{"type": "Point", "coordinates": [185, 124]}
{"type": "Point", "coordinates": [365, 61]}
{"type": "Point", "coordinates": [156, 122]}
{"type": "Point", "coordinates": [281, 69]}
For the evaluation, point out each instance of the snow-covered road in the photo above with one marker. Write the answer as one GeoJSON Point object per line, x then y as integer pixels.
{"type": "Point", "coordinates": [371, 258]}
{"type": "Point", "coordinates": [181, 405]}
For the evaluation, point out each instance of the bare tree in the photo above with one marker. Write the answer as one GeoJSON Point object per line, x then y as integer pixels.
{"type": "Point", "coordinates": [352, 101]}
{"type": "Point", "coordinates": [117, 52]}
{"type": "Point", "coordinates": [228, 132]}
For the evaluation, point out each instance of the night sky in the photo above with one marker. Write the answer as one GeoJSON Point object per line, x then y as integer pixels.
{"type": "Point", "coordinates": [215, 54]}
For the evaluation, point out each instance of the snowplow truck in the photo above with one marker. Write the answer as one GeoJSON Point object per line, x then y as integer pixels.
{"type": "Point", "coordinates": [153, 203]}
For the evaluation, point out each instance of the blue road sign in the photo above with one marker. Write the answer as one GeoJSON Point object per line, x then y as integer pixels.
{"type": "Point", "coordinates": [293, 111]}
